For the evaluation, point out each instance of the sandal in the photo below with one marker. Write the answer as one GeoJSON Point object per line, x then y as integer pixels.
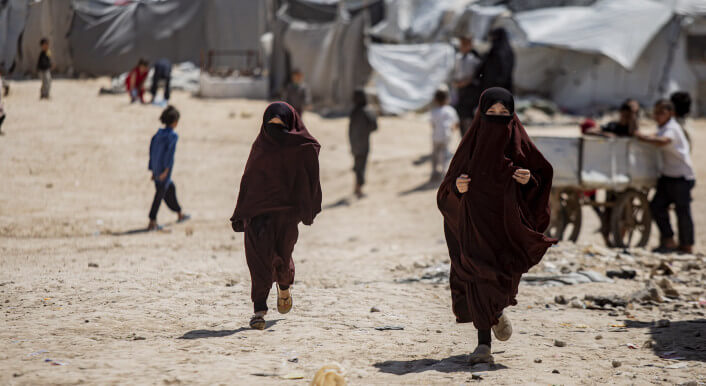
{"type": "Point", "coordinates": [481, 355]}
{"type": "Point", "coordinates": [284, 304]}
{"type": "Point", "coordinates": [257, 322]}
{"type": "Point", "coordinates": [502, 330]}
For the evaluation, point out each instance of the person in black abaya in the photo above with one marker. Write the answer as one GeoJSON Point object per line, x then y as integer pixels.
{"type": "Point", "coordinates": [280, 188]}
{"type": "Point", "coordinates": [495, 204]}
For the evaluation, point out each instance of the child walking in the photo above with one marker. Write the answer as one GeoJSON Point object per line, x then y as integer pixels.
{"type": "Point", "coordinates": [44, 67]}
{"type": "Point", "coordinates": [443, 120]}
{"type": "Point", "coordinates": [280, 188]}
{"type": "Point", "coordinates": [2, 107]}
{"type": "Point", "coordinates": [362, 123]}
{"type": "Point", "coordinates": [495, 203]}
{"type": "Point", "coordinates": [162, 149]}
{"type": "Point", "coordinates": [676, 182]}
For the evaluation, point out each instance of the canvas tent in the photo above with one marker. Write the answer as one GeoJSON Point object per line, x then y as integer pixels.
{"type": "Point", "coordinates": [107, 37]}
{"type": "Point", "coordinates": [329, 50]}
{"type": "Point", "coordinates": [50, 19]}
{"type": "Point", "coordinates": [592, 58]}
{"type": "Point", "coordinates": [13, 14]}
{"type": "Point", "coordinates": [406, 75]}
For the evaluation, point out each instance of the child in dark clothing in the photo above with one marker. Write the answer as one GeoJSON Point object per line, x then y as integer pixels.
{"type": "Point", "coordinates": [280, 188]}
{"type": "Point", "coordinates": [297, 93]}
{"type": "Point", "coordinates": [44, 66]}
{"type": "Point", "coordinates": [162, 149]}
{"type": "Point", "coordinates": [363, 122]}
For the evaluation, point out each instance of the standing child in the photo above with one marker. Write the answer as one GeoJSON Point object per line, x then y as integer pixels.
{"type": "Point", "coordinates": [443, 120]}
{"type": "Point", "coordinates": [676, 182]}
{"type": "Point", "coordinates": [44, 67]}
{"type": "Point", "coordinates": [280, 188]}
{"type": "Point", "coordinates": [162, 149]}
{"type": "Point", "coordinates": [297, 93]}
{"type": "Point", "coordinates": [495, 203]}
{"type": "Point", "coordinates": [2, 107]}
{"type": "Point", "coordinates": [363, 122]}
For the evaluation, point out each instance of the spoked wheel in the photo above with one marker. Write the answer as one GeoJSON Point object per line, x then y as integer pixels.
{"type": "Point", "coordinates": [631, 220]}
{"type": "Point", "coordinates": [566, 215]}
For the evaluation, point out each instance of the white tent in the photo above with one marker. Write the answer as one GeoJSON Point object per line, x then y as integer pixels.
{"type": "Point", "coordinates": [591, 58]}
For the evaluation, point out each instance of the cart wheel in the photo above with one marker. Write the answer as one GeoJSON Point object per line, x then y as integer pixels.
{"type": "Point", "coordinates": [566, 215]}
{"type": "Point", "coordinates": [631, 221]}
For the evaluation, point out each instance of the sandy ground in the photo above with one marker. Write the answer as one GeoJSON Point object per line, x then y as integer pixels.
{"type": "Point", "coordinates": [77, 287]}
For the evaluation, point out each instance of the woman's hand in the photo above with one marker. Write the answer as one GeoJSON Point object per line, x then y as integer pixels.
{"type": "Point", "coordinates": [462, 183]}
{"type": "Point", "coordinates": [522, 176]}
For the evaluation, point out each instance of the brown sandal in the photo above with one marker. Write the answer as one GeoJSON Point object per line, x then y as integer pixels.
{"type": "Point", "coordinates": [284, 305]}
{"type": "Point", "coordinates": [257, 322]}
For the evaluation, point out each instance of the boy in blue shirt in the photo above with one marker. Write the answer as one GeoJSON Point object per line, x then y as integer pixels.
{"type": "Point", "coordinates": [162, 149]}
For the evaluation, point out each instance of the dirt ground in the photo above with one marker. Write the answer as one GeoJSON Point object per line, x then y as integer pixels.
{"type": "Point", "coordinates": [86, 297]}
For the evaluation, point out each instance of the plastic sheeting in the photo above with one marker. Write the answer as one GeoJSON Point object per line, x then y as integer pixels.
{"type": "Point", "coordinates": [234, 24]}
{"type": "Point", "coordinates": [109, 39]}
{"type": "Point", "coordinates": [608, 27]}
{"type": "Point", "coordinates": [13, 14]}
{"type": "Point", "coordinates": [406, 76]}
{"type": "Point", "coordinates": [331, 56]}
{"type": "Point", "coordinates": [418, 21]}
{"type": "Point", "coordinates": [50, 19]}
{"type": "Point", "coordinates": [585, 83]}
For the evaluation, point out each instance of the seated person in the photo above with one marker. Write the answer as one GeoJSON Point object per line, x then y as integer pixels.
{"type": "Point", "coordinates": [625, 126]}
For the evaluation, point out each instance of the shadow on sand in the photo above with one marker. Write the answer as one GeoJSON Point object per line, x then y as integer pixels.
{"type": "Point", "coordinates": [681, 340]}
{"type": "Point", "coordinates": [454, 364]}
{"type": "Point", "coordinates": [200, 334]}
{"type": "Point", "coordinates": [422, 160]}
{"type": "Point", "coordinates": [429, 185]}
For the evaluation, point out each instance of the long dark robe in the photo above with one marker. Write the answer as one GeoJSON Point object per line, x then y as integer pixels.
{"type": "Point", "coordinates": [280, 188]}
{"type": "Point", "coordinates": [494, 232]}
{"type": "Point", "coordinates": [495, 70]}
{"type": "Point", "coordinates": [282, 172]}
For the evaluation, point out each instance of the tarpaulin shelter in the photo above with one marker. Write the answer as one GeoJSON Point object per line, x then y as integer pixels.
{"type": "Point", "coordinates": [591, 58]}
{"type": "Point", "coordinates": [407, 75]}
{"type": "Point", "coordinates": [52, 20]}
{"type": "Point", "coordinates": [327, 46]}
{"type": "Point", "coordinates": [107, 37]}
{"type": "Point", "coordinates": [13, 14]}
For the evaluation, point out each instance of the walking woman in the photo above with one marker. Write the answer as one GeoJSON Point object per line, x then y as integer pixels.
{"type": "Point", "coordinates": [280, 188]}
{"type": "Point", "coordinates": [494, 200]}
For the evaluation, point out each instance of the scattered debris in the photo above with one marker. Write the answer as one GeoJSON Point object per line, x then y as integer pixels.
{"type": "Point", "coordinates": [54, 363]}
{"type": "Point", "coordinates": [579, 277]}
{"type": "Point", "coordinates": [537, 360]}
{"type": "Point", "coordinates": [92, 265]}
{"type": "Point", "coordinates": [555, 371]}
{"type": "Point", "coordinates": [623, 273]}
{"type": "Point", "coordinates": [662, 269]}
{"type": "Point", "coordinates": [668, 288]}
{"type": "Point", "coordinates": [374, 309]}
{"type": "Point", "coordinates": [616, 363]}
{"type": "Point", "coordinates": [231, 282]}
{"type": "Point", "coordinates": [559, 343]}
{"type": "Point", "coordinates": [329, 375]}
{"type": "Point", "coordinates": [389, 328]}
{"type": "Point", "coordinates": [599, 337]}
{"type": "Point", "coordinates": [560, 299]}
{"type": "Point", "coordinates": [602, 301]}
{"type": "Point", "coordinates": [632, 346]}
{"type": "Point", "coordinates": [294, 375]}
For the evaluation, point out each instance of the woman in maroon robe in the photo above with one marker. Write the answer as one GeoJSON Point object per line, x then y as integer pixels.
{"type": "Point", "coordinates": [495, 203]}
{"type": "Point", "coordinates": [280, 188]}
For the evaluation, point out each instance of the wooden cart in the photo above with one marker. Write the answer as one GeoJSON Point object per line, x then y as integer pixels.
{"type": "Point", "coordinates": [624, 168]}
